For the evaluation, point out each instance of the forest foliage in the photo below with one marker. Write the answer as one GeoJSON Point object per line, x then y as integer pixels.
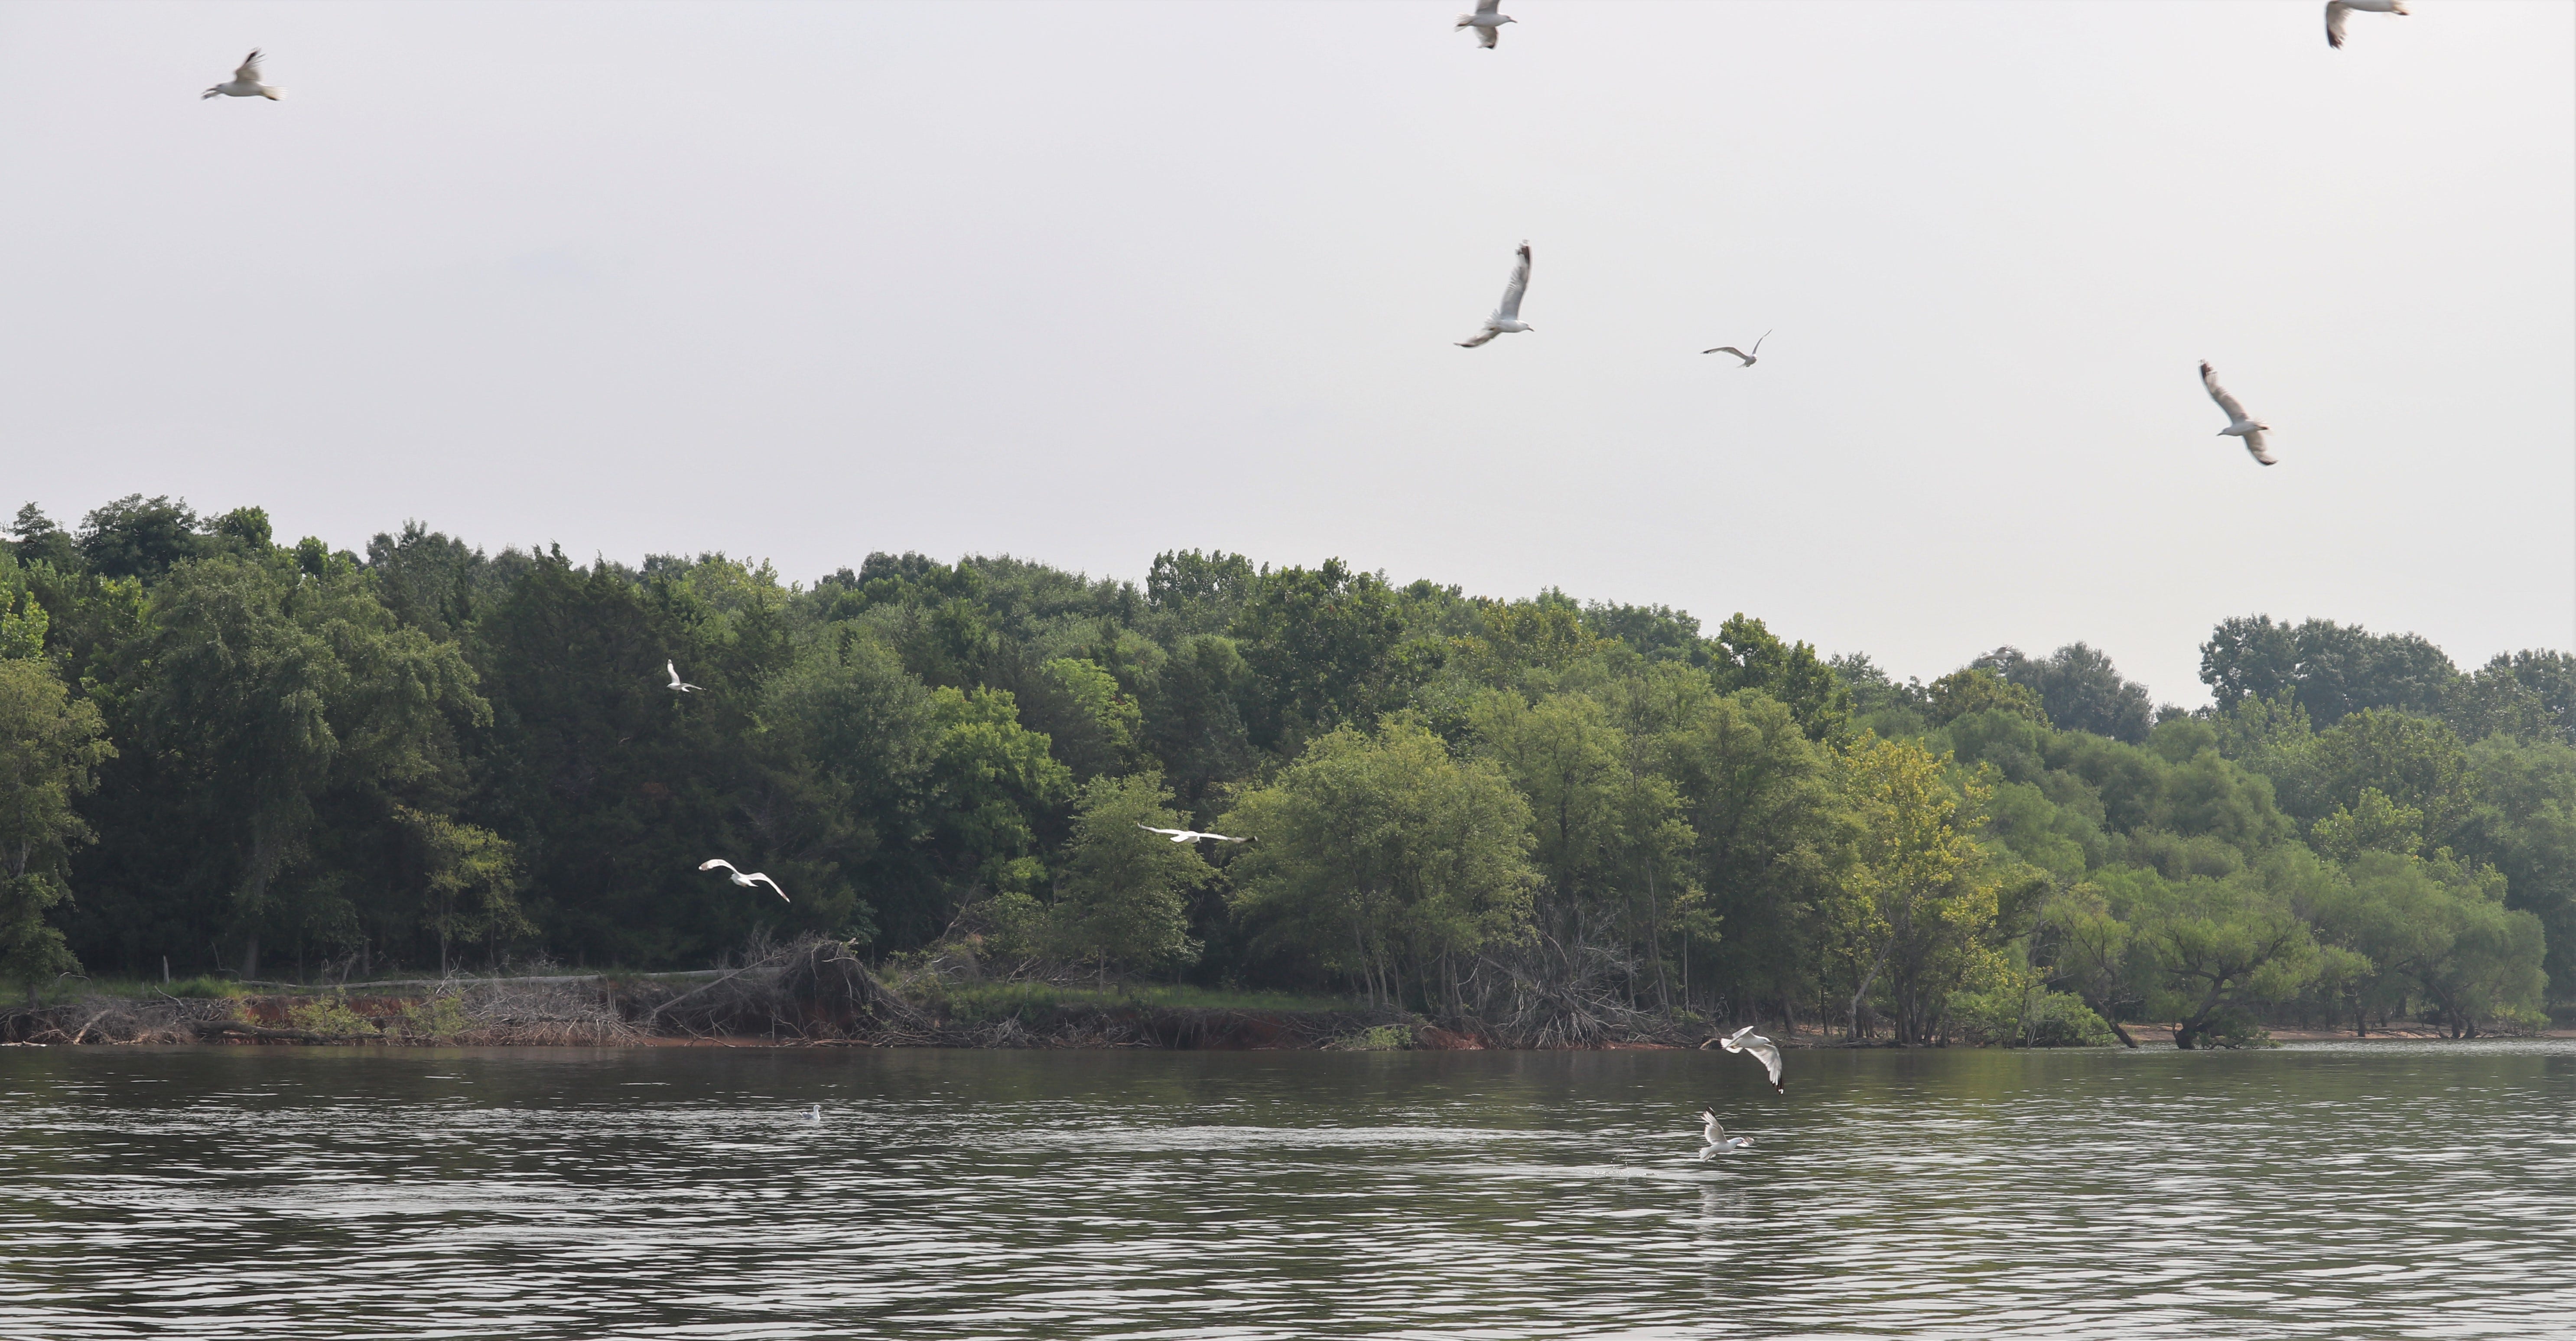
{"type": "Point", "coordinates": [234, 754]}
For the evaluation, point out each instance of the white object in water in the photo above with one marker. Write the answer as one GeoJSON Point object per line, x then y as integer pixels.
{"type": "Point", "coordinates": [817, 1114]}
{"type": "Point", "coordinates": [1719, 1143]}
{"type": "Point", "coordinates": [1762, 1050]}
{"type": "Point", "coordinates": [2336, 9]}
{"type": "Point", "coordinates": [746, 881]}
{"type": "Point", "coordinates": [1190, 835]}
{"type": "Point", "coordinates": [681, 685]}
{"type": "Point", "coordinates": [1507, 315]}
{"type": "Point", "coordinates": [2239, 423]}
{"type": "Point", "coordinates": [245, 83]}
{"type": "Point", "coordinates": [1487, 23]}
{"type": "Point", "coordinates": [1749, 360]}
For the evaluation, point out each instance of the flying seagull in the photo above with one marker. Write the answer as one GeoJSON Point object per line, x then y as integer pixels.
{"type": "Point", "coordinates": [1190, 835]}
{"type": "Point", "coordinates": [677, 683]}
{"type": "Point", "coordinates": [245, 83]}
{"type": "Point", "coordinates": [1507, 315]}
{"type": "Point", "coordinates": [1719, 1143]}
{"type": "Point", "coordinates": [2336, 9]}
{"type": "Point", "coordinates": [1489, 25]}
{"type": "Point", "coordinates": [746, 881]}
{"type": "Point", "coordinates": [1762, 1049]}
{"type": "Point", "coordinates": [2239, 424]}
{"type": "Point", "coordinates": [1749, 360]}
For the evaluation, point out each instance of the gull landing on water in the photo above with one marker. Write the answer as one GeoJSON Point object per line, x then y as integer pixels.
{"type": "Point", "coordinates": [681, 685]}
{"type": "Point", "coordinates": [2336, 9]}
{"type": "Point", "coordinates": [245, 83]}
{"type": "Point", "coordinates": [1190, 835]}
{"type": "Point", "coordinates": [2239, 423]}
{"type": "Point", "coordinates": [1487, 23]}
{"type": "Point", "coordinates": [1761, 1049]}
{"type": "Point", "coordinates": [1507, 315]}
{"type": "Point", "coordinates": [1719, 1143]}
{"type": "Point", "coordinates": [746, 881]}
{"type": "Point", "coordinates": [1749, 360]}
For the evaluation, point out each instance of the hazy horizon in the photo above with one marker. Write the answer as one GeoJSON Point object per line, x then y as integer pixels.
{"type": "Point", "coordinates": [1082, 283]}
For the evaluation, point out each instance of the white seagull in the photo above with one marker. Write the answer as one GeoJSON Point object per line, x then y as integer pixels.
{"type": "Point", "coordinates": [1507, 315]}
{"type": "Point", "coordinates": [817, 1114]}
{"type": "Point", "coordinates": [1489, 25]}
{"type": "Point", "coordinates": [746, 881]}
{"type": "Point", "coordinates": [1762, 1050]}
{"type": "Point", "coordinates": [681, 685]}
{"type": "Point", "coordinates": [1190, 835]}
{"type": "Point", "coordinates": [2239, 423]}
{"type": "Point", "coordinates": [2336, 9]}
{"type": "Point", "coordinates": [245, 83]}
{"type": "Point", "coordinates": [1749, 360]}
{"type": "Point", "coordinates": [1719, 1143]}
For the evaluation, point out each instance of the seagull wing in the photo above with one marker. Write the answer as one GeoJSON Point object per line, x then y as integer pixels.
{"type": "Point", "coordinates": [2254, 447]}
{"type": "Point", "coordinates": [1481, 337]}
{"type": "Point", "coordinates": [713, 862]}
{"type": "Point", "coordinates": [2235, 412]}
{"type": "Point", "coordinates": [1510, 308]}
{"type": "Point", "coordinates": [1757, 345]}
{"type": "Point", "coordinates": [1175, 835]}
{"type": "Point", "coordinates": [1223, 839]}
{"type": "Point", "coordinates": [1485, 8]}
{"type": "Point", "coordinates": [1487, 36]}
{"type": "Point", "coordinates": [1767, 1053]}
{"type": "Point", "coordinates": [249, 71]}
{"type": "Point", "coordinates": [758, 877]}
{"type": "Point", "coordinates": [2335, 11]}
{"type": "Point", "coordinates": [1727, 349]}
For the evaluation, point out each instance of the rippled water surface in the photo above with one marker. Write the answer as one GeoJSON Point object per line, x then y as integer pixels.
{"type": "Point", "coordinates": [2353, 1191]}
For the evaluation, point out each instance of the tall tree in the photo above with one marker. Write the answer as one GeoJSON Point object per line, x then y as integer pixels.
{"type": "Point", "coordinates": [1386, 859]}
{"type": "Point", "coordinates": [51, 745]}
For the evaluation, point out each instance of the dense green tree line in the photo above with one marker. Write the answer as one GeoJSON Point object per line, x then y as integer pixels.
{"type": "Point", "coordinates": [227, 753]}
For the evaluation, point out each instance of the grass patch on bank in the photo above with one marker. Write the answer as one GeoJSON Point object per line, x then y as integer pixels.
{"type": "Point", "coordinates": [1002, 1000]}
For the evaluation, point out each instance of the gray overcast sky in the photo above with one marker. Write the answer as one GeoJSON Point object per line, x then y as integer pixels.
{"type": "Point", "coordinates": [1083, 282]}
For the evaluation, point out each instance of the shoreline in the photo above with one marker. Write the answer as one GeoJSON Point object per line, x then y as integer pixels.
{"type": "Point", "coordinates": [603, 1012]}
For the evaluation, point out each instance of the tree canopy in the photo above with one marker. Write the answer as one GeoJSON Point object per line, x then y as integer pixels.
{"type": "Point", "coordinates": [426, 754]}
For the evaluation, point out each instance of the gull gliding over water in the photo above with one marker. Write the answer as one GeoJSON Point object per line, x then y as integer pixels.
{"type": "Point", "coordinates": [245, 83]}
{"type": "Point", "coordinates": [1190, 835]}
{"type": "Point", "coordinates": [2239, 423]}
{"type": "Point", "coordinates": [746, 881]}
{"type": "Point", "coordinates": [2336, 9]}
{"type": "Point", "coordinates": [1761, 1049]}
{"type": "Point", "coordinates": [1487, 23]}
{"type": "Point", "coordinates": [676, 682]}
{"type": "Point", "coordinates": [1719, 1143]}
{"type": "Point", "coordinates": [1507, 315]}
{"type": "Point", "coordinates": [1749, 360]}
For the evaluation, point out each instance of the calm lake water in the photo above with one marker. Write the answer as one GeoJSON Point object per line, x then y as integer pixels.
{"type": "Point", "coordinates": [2370, 1190]}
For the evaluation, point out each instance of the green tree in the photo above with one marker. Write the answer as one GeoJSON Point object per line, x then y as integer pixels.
{"type": "Point", "coordinates": [1976, 689]}
{"type": "Point", "coordinates": [1919, 898]}
{"type": "Point", "coordinates": [1385, 858]}
{"type": "Point", "coordinates": [1750, 656]}
{"type": "Point", "coordinates": [1322, 644]}
{"type": "Point", "coordinates": [2079, 690]}
{"type": "Point", "coordinates": [51, 745]}
{"type": "Point", "coordinates": [469, 881]}
{"type": "Point", "coordinates": [1122, 893]}
{"type": "Point", "coordinates": [253, 693]}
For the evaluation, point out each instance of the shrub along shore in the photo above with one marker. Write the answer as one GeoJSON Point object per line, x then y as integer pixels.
{"type": "Point", "coordinates": [818, 994]}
